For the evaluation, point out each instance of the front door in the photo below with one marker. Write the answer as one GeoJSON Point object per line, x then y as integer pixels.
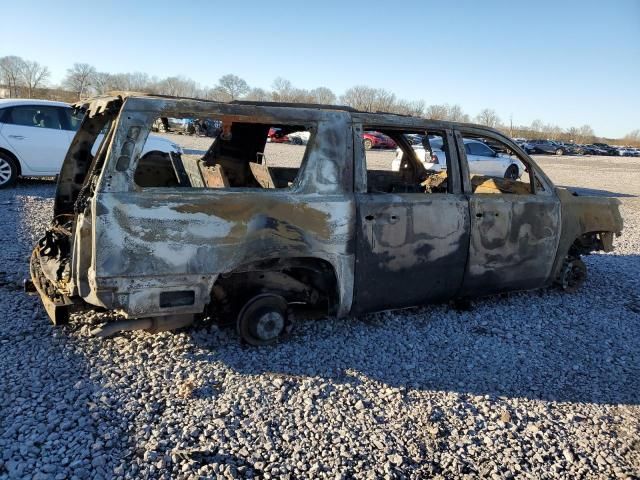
{"type": "Point", "coordinates": [514, 229]}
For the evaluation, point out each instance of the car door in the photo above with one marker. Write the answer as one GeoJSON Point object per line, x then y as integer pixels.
{"type": "Point", "coordinates": [514, 230]}
{"type": "Point", "coordinates": [482, 159]}
{"type": "Point", "coordinates": [35, 134]}
{"type": "Point", "coordinates": [411, 247]}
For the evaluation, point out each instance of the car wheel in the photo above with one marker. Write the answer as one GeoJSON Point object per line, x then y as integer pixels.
{"type": "Point", "coordinates": [573, 275]}
{"type": "Point", "coordinates": [368, 144]}
{"type": "Point", "coordinates": [263, 319]}
{"type": "Point", "coordinates": [296, 141]}
{"type": "Point", "coordinates": [512, 172]}
{"type": "Point", "coordinates": [8, 171]}
{"type": "Point", "coordinates": [559, 152]}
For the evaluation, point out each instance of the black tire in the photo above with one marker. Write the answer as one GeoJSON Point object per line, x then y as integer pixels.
{"type": "Point", "coordinates": [8, 171]}
{"type": "Point", "coordinates": [368, 144]}
{"type": "Point", "coordinates": [572, 275]}
{"type": "Point", "coordinates": [512, 173]}
{"type": "Point", "coordinates": [559, 151]}
{"type": "Point", "coordinates": [263, 319]}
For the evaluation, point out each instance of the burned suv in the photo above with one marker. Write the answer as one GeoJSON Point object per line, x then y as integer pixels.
{"type": "Point", "coordinates": [231, 233]}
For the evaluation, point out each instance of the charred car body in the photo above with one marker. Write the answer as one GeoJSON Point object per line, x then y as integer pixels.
{"type": "Point", "coordinates": [162, 239]}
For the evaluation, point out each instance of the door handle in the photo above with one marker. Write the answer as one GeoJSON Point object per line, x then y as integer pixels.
{"type": "Point", "coordinates": [369, 218]}
{"type": "Point", "coordinates": [17, 137]}
{"type": "Point", "coordinates": [479, 214]}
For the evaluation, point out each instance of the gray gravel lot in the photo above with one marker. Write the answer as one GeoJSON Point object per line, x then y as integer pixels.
{"type": "Point", "coordinates": [533, 385]}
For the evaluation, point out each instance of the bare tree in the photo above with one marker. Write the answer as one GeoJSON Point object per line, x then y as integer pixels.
{"type": "Point", "coordinates": [258, 95]}
{"type": "Point", "coordinates": [11, 73]}
{"type": "Point", "coordinates": [360, 97]}
{"type": "Point", "coordinates": [233, 86]}
{"type": "Point", "coordinates": [104, 82]}
{"type": "Point", "coordinates": [456, 114]}
{"type": "Point", "coordinates": [368, 99]}
{"type": "Point", "coordinates": [586, 134]}
{"type": "Point", "coordinates": [537, 127]}
{"type": "Point", "coordinates": [282, 90]}
{"type": "Point", "coordinates": [437, 112]}
{"type": "Point", "coordinates": [488, 117]}
{"type": "Point", "coordinates": [573, 134]}
{"type": "Point", "coordinates": [633, 137]}
{"type": "Point", "coordinates": [177, 87]}
{"type": "Point", "coordinates": [33, 75]}
{"type": "Point", "coordinates": [413, 108]}
{"type": "Point", "coordinates": [551, 132]}
{"type": "Point", "coordinates": [384, 100]}
{"type": "Point", "coordinates": [323, 95]}
{"type": "Point", "coordinates": [80, 78]}
{"type": "Point", "coordinates": [218, 94]}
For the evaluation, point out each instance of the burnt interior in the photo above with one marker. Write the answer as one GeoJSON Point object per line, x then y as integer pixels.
{"type": "Point", "coordinates": [235, 159]}
{"type": "Point", "coordinates": [412, 177]}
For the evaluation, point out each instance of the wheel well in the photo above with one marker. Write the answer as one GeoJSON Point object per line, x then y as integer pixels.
{"type": "Point", "coordinates": [591, 242]}
{"type": "Point", "coordinates": [15, 159]}
{"type": "Point", "coordinates": [307, 280]}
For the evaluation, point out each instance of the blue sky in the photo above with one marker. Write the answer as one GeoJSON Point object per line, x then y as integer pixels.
{"type": "Point", "coordinates": [563, 62]}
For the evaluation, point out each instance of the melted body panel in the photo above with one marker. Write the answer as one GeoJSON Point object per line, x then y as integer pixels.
{"type": "Point", "coordinates": [185, 240]}
{"type": "Point", "coordinates": [513, 242]}
{"type": "Point", "coordinates": [411, 249]}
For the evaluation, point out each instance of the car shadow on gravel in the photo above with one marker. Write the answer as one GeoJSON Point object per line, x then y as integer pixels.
{"type": "Point", "coordinates": [580, 347]}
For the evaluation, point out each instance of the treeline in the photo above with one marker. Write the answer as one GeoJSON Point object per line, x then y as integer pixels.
{"type": "Point", "coordinates": [25, 78]}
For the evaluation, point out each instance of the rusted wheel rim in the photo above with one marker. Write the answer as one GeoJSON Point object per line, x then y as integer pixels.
{"type": "Point", "coordinates": [574, 274]}
{"type": "Point", "coordinates": [262, 319]}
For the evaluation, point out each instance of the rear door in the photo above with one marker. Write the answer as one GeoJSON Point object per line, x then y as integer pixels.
{"type": "Point", "coordinates": [35, 134]}
{"type": "Point", "coordinates": [514, 228]}
{"type": "Point", "coordinates": [411, 244]}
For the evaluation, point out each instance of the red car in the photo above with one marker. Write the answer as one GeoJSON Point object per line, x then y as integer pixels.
{"type": "Point", "coordinates": [275, 135]}
{"type": "Point", "coordinates": [377, 140]}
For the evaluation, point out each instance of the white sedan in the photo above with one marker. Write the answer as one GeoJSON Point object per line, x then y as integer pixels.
{"type": "Point", "coordinates": [36, 134]}
{"type": "Point", "coordinates": [482, 159]}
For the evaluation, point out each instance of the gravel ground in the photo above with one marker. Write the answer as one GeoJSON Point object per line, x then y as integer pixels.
{"type": "Point", "coordinates": [537, 385]}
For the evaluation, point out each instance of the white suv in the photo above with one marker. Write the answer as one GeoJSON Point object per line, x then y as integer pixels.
{"type": "Point", "coordinates": [36, 134]}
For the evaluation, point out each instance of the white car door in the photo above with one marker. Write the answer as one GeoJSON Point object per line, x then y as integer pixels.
{"type": "Point", "coordinates": [35, 134]}
{"type": "Point", "coordinates": [483, 160]}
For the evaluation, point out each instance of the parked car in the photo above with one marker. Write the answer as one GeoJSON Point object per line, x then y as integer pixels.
{"type": "Point", "coordinates": [247, 242]}
{"type": "Point", "coordinates": [627, 152]}
{"type": "Point", "coordinates": [299, 138]}
{"type": "Point", "coordinates": [571, 148]}
{"type": "Point", "coordinates": [276, 135]}
{"type": "Point", "coordinates": [608, 149]}
{"type": "Point", "coordinates": [483, 160]}
{"type": "Point", "coordinates": [523, 144]}
{"type": "Point", "coordinates": [546, 146]}
{"type": "Point", "coordinates": [377, 140]}
{"type": "Point", "coordinates": [177, 125]}
{"type": "Point", "coordinates": [35, 136]}
{"type": "Point", "coordinates": [594, 150]}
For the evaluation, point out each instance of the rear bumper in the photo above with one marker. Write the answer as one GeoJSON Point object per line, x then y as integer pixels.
{"type": "Point", "coordinates": [56, 304]}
